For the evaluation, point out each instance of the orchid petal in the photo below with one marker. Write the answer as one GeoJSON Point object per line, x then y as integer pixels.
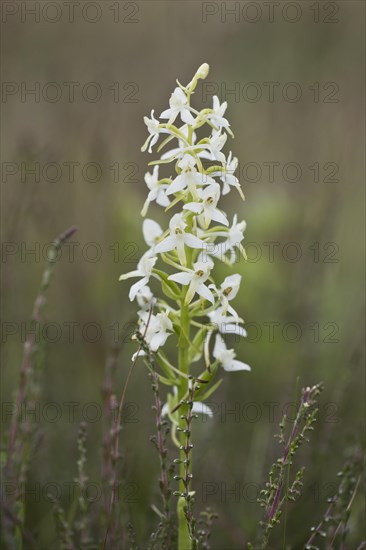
{"type": "Point", "coordinates": [181, 278]}
{"type": "Point", "coordinates": [236, 366]}
{"type": "Point", "coordinates": [169, 243]}
{"type": "Point", "coordinates": [205, 292]}
{"type": "Point", "coordinates": [195, 207]}
{"type": "Point", "coordinates": [192, 241]}
{"type": "Point", "coordinates": [136, 287]}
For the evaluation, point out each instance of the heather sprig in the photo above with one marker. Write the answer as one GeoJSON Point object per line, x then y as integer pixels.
{"type": "Point", "coordinates": [23, 437]}
{"type": "Point", "coordinates": [280, 488]}
{"type": "Point", "coordinates": [165, 534]}
{"type": "Point", "coordinates": [332, 529]}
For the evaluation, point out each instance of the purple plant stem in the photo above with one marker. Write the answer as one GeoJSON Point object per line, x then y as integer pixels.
{"type": "Point", "coordinates": [115, 436]}
{"type": "Point", "coordinates": [187, 451]}
{"type": "Point", "coordinates": [294, 432]}
{"type": "Point", "coordinates": [108, 410]}
{"type": "Point", "coordinates": [160, 444]}
{"type": "Point", "coordinates": [29, 345]}
{"type": "Point", "coordinates": [15, 447]}
{"type": "Point", "coordinates": [317, 529]}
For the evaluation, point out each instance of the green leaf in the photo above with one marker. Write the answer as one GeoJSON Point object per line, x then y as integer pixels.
{"type": "Point", "coordinates": [195, 353]}
{"type": "Point", "coordinates": [165, 365]}
{"type": "Point", "coordinates": [167, 381]}
{"type": "Point", "coordinates": [184, 540]}
{"type": "Point", "coordinates": [170, 289]}
{"type": "Point", "coordinates": [166, 288]}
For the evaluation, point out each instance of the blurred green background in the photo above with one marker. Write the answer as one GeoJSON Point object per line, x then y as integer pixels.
{"type": "Point", "coordinates": [320, 295]}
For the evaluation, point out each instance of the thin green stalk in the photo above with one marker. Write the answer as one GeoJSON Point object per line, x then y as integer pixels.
{"type": "Point", "coordinates": [184, 542]}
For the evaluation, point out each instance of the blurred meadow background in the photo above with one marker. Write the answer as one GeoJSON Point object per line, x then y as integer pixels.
{"type": "Point", "coordinates": [303, 303]}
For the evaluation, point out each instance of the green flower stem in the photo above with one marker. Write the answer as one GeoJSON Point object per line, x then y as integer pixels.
{"type": "Point", "coordinates": [184, 542]}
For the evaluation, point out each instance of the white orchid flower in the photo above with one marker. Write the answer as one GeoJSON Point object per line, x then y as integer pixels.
{"type": "Point", "coordinates": [217, 116]}
{"type": "Point", "coordinates": [154, 131]}
{"type": "Point", "coordinates": [195, 278]}
{"type": "Point", "coordinates": [226, 324]}
{"type": "Point", "coordinates": [230, 286]}
{"type": "Point", "coordinates": [233, 237]}
{"type": "Point", "coordinates": [178, 239]}
{"type": "Point", "coordinates": [183, 148]}
{"type": "Point", "coordinates": [215, 144]}
{"type": "Point", "coordinates": [144, 270]}
{"type": "Point", "coordinates": [189, 177]}
{"type": "Point", "coordinates": [159, 328]}
{"type": "Point", "coordinates": [178, 104]}
{"type": "Point", "coordinates": [209, 196]}
{"type": "Point", "coordinates": [152, 233]}
{"type": "Point", "coordinates": [189, 243]}
{"type": "Point", "coordinates": [227, 292]}
{"type": "Point", "coordinates": [157, 190]}
{"type": "Point", "coordinates": [227, 357]}
{"type": "Point", "coordinates": [145, 298]}
{"type": "Point", "coordinates": [227, 176]}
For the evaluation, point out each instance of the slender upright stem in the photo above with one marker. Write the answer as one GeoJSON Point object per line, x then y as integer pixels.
{"type": "Point", "coordinates": [184, 542]}
{"type": "Point", "coordinates": [115, 438]}
{"type": "Point", "coordinates": [285, 457]}
{"type": "Point", "coordinates": [26, 366]}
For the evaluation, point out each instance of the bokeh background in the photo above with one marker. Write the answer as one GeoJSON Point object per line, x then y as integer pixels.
{"type": "Point", "coordinates": [134, 55]}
